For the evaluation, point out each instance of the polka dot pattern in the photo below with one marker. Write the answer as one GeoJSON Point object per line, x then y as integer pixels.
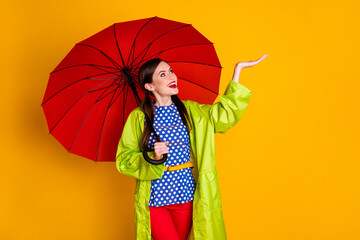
{"type": "Point", "coordinates": [176, 186]}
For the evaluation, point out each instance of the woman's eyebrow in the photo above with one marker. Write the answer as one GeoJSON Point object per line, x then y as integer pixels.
{"type": "Point", "coordinates": [164, 71]}
{"type": "Point", "coordinates": [161, 71]}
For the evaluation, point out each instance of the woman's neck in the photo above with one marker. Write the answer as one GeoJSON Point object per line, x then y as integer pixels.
{"type": "Point", "coordinates": [163, 102]}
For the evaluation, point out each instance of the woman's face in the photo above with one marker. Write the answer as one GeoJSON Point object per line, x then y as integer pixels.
{"type": "Point", "coordinates": [164, 81]}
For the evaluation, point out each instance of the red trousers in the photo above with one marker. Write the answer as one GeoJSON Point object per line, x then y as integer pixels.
{"type": "Point", "coordinates": [171, 222]}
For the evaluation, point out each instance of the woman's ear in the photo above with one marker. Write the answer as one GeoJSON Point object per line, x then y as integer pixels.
{"type": "Point", "coordinates": [149, 87]}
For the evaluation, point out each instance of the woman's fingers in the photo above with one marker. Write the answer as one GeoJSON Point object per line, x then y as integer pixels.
{"type": "Point", "coordinates": [161, 145]}
{"type": "Point", "coordinates": [260, 59]}
{"type": "Point", "coordinates": [160, 148]}
{"type": "Point", "coordinates": [263, 56]}
{"type": "Point", "coordinates": [250, 63]}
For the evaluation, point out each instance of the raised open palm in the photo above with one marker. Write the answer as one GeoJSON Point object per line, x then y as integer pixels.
{"type": "Point", "coordinates": [250, 63]}
{"type": "Point", "coordinates": [241, 65]}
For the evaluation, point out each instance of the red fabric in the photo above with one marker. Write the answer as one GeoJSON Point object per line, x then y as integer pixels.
{"type": "Point", "coordinates": [171, 222]}
{"type": "Point", "coordinates": [89, 94]}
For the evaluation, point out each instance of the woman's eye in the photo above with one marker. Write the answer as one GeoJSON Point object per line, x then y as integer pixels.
{"type": "Point", "coordinates": [162, 75]}
{"type": "Point", "coordinates": [171, 70]}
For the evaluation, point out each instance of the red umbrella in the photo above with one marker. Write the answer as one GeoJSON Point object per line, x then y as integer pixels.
{"type": "Point", "coordinates": [94, 88]}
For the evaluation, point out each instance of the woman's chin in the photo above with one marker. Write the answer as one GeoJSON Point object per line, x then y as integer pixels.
{"type": "Point", "coordinates": [176, 91]}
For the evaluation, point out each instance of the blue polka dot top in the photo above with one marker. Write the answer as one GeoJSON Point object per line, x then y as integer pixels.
{"type": "Point", "coordinates": [177, 186]}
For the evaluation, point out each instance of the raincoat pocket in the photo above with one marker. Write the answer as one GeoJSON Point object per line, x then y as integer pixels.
{"type": "Point", "coordinates": [208, 191]}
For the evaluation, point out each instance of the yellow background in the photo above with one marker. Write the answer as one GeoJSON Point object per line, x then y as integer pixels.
{"type": "Point", "coordinates": [288, 170]}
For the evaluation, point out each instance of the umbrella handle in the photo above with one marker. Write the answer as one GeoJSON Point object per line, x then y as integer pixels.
{"type": "Point", "coordinates": [152, 161]}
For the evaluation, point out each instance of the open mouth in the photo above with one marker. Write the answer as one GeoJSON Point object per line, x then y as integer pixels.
{"type": "Point", "coordinates": [172, 85]}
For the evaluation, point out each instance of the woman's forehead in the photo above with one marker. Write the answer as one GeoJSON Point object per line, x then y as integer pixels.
{"type": "Point", "coordinates": [163, 66]}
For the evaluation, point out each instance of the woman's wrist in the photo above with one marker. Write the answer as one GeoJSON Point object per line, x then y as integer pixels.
{"type": "Point", "coordinates": [236, 74]}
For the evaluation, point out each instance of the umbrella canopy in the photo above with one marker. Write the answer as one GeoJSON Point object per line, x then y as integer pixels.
{"type": "Point", "coordinates": [94, 88]}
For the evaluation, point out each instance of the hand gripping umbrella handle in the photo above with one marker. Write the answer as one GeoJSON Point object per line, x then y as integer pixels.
{"type": "Point", "coordinates": [152, 161]}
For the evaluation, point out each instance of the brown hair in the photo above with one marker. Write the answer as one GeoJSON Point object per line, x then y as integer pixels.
{"type": "Point", "coordinates": [146, 72]}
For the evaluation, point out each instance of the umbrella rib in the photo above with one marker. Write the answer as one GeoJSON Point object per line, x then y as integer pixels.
{"type": "Point", "coordinates": [102, 125]}
{"type": "Point", "coordinates": [84, 64]}
{"type": "Point", "coordinates": [105, 55]}
{"type": "Point", "coordinates": [118, 70]}
{"type": "Point", "coordinates": [199, 85]}
{"type": "Point", "coordinates": [211, 65]}
{"type": "Point", "coordinates": [124, 103]}
{"type": "Point", "coordinates": [137, 84]}
{"type": "Point", "coordinates": [96, 90]}
{"type": "Point", "coordinates": [132, 50]}
{"type": "Point", "coordinates": [90, 91]}
{"type": "Point", "coordinates": [106, 94]}
{"type": "Point", "coordinates": [142, 59]}
{"type": "Point", "coordinates": [86, 78]}
{"type": "Point", "coordinates": [117, 44]}
{"type": "Point", "coordinates": [139, 87]}
{"type": "Point", "coordinates": [110, 104]}
{"type": "Point", "coordinates": [159, 53]}
{"type": "Point", "coordinates": [148, 46]}
{"type": "Point", "coordinates": [87, 114]}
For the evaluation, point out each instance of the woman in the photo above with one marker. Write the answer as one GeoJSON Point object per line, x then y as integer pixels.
{"type": "Point", "coordinates": [190, 197]}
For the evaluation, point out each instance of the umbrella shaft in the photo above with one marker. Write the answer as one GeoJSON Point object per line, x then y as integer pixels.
{"type": "Point", "coordinates": [129, 79]}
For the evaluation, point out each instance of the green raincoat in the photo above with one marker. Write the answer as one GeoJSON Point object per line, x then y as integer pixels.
{"type": "Point", "coordinates": [208, 222]}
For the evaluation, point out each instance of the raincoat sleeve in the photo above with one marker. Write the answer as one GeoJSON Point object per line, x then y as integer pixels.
{"type": "Point", "coordinates": [129, 158]}
{"type": "Point", "coordinates": [226, 113]}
